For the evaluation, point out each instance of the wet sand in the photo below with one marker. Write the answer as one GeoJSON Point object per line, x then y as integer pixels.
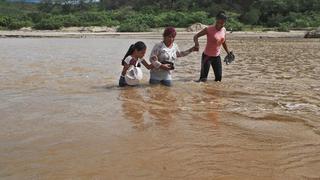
{"type": "Point", "coordinates": [63, 116]}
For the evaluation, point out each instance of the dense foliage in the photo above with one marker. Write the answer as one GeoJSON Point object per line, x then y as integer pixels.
{"type": "Point", "coordinates": [141, 15]}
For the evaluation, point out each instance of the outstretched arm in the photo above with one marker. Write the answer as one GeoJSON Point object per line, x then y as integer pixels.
{"type": "Point", "coordinates": [186, 52]}
{"type": "Point", "coordinates": [148, 66]}
{"type": "Point", "coordinates": [196, 37]}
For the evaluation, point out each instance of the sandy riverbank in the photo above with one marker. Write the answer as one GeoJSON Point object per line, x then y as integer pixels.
{"type": "Point", "coordinates": [181, 34]}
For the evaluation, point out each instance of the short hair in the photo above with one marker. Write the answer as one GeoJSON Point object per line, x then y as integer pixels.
{"type": "Point", "coordinates": [221, 15]}
{"type": "Point", "coordinates": [169, 31]}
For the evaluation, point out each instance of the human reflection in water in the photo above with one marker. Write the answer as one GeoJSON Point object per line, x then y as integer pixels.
{"type": "Point", "coordinates": [162, 104]}
{"type": "Point", "coordinates": [212, 114]}
{"type": "Point", "coordinates": [133, 106]}
{"type": "Point", "coordinates": [205, 106]}
{"type": "Point", "coordinates": [157, 106]}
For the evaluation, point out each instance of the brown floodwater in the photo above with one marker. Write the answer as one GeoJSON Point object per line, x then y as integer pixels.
{"type": "Point", "coordinates": [62, 115]}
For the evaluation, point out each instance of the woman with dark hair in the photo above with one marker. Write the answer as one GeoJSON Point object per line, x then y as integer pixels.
{"type": "Point", "coordinates": [163, 57]}
{"type": "Point", "coordinates": [133, 57]}
{"type": "Point", "coordinates": [216, 36]}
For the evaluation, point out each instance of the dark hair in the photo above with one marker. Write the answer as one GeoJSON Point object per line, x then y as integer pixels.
{"type": "Point", "coordinates": [169, 31]}
{"type": "Point", "coordinates": [221, 15]}
{"type": "Point", "coordinates": [139, 46]}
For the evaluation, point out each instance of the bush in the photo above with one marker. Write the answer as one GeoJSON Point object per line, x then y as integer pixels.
{"type": "Point", "coordinates": [15, 22]}
{"type": "Point", "coordinates": [80, 19]}
{"type": "Point", "coordinates": [67, 20]}
{"type": "Point", "coordinates": [36, 16]}
{"type": "Point", "coordinates": [196, 17]}
{"type": "Point", "coordinates": [284, 27]}
{"type": "Point", "coordinates": [201, 17]}
{"type": "Point", "coordinates": [234, 24]}
{"type": "Point", "coordinates": [214, 9]}
{"type": "Point", "coordinates": [180, 19]}
{"type": "Point", "coordinates": [251, 17]}
{"type": "Point", "coordinates": [123, 14]}
{"type": "Point", "coordinates": [302, 23]}
{"type": "Point", "coordinates": [148, 19]}
{"type": "Point", "coordinates": [315, 19]}
{"type": "Point", "coordinates": [96, 19]}
{"type": "Point", "coordinates": [71, 20]}
{"type": "Point", "coordinates": [275, 20]}
{"type": "Point", "coordinates": [148, 9]}
{"type": "Point", "coordinates": [302, 20]}
{"type": "Point", "coordinates": [4, 21]}
{"type": "Point", "coordinates": [135, 24]}
{"type": "Point", "coordinates": [48, 24]}
{"type": "Point", "coordinates": [160, 19]}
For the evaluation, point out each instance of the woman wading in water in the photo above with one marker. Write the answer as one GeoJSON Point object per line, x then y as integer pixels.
{"type": "Point", "coordinates": [163, 57]}
{"type": "Point", "coordinates": [216, 36]}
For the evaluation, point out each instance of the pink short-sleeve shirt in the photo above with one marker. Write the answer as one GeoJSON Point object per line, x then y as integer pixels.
{"type": "Point", "coordinates": [215, 39]}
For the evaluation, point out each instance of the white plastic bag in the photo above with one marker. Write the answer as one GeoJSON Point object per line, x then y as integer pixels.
{"type": "Point", "coordinates": [134, 75]}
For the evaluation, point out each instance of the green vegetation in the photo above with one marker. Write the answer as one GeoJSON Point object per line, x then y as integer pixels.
{"type": "Point", "coordinates": [142, 15]}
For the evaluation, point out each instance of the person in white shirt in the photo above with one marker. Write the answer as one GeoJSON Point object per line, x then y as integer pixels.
{"type": "Point", "coordinates": [133, 57]}
{"type": "Point", "coordinates": [163, 57]}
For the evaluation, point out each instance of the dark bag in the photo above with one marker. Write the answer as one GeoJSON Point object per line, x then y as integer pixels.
{"type": "Point", "coordinates": [229, 58]}
{"type": "Point", "coordinates": [168, 62]}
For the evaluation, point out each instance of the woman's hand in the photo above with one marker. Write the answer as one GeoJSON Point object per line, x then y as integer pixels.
{"type": "Point", "coordinates": [195, 47]}
{"type": "Point", "coordinates": [154, 61]}
{"type": "Point", "coordinates": [154, 58]}
{"type": "Point", "coordinates": [166, 67]}
{"type": "Point", "coordinates": [196, 37]}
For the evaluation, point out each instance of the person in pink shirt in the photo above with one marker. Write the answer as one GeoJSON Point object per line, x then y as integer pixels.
{"type": "Point", "coordinates": [216, 36]}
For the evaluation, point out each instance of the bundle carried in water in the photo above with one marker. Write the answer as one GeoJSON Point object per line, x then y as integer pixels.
{"type": "Point", "coordinates": [134, 75]}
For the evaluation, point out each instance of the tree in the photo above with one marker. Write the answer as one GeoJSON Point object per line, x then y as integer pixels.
{"type": "Point", "coordinates": [252, 16]}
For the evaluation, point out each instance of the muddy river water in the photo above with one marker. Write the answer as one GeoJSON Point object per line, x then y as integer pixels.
{"type": "Point", "coordinates": [62, 115]}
